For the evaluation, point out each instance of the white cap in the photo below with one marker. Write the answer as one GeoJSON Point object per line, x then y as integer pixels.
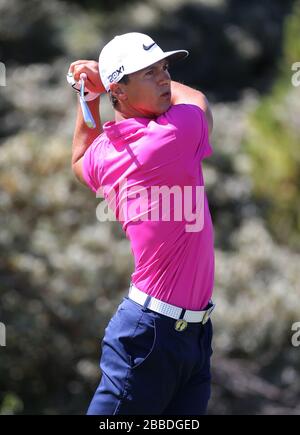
{"type": "Point", "coordinates": [131, 52]}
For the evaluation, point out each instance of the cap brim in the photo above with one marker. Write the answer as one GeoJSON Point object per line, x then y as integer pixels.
{"type": "Point", "coordinates": [176, 55]}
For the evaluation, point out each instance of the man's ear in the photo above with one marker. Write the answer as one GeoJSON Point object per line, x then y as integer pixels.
{"type": "Point", "coordinates": [118, 91]}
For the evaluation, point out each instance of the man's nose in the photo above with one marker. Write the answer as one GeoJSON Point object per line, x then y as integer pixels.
{"type": "Point", "coordinates": [164, 77]}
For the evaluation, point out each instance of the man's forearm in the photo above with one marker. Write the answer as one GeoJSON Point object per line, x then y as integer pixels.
{"type": "Point", "coordinates": [182, 94]}
{"type": "Point", "coordinates": [83, 135]}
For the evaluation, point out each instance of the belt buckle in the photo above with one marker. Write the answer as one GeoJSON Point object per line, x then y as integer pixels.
{"type": "Point", "coordinates": [180, 325]}
{"type": "Point", "coordinates": [207, 315]}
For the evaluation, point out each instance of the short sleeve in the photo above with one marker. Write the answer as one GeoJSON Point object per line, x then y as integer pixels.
{"type": "Point", "coordinates": [192, 129]}
{"type": "Point", "coordinates": [92, 165]}
{"type": "Point", "coordinates": [204, 148]}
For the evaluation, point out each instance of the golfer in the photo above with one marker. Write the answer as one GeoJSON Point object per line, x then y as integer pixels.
{"type": "Point", "coordinates": [156, 348]}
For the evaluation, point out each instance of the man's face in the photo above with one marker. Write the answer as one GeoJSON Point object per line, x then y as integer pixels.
{"type": "Point", "coordinates": [148, 92]}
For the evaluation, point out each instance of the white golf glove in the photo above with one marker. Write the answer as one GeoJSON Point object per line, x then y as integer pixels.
{"type": "Point", "coordinates": [88, 96]}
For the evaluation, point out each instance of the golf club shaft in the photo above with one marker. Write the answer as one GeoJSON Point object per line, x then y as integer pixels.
{"type": "Point", "coordinates": [87, 116]}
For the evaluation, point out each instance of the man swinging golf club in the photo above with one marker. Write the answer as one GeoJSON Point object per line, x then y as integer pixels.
{"type": "Point", "coordinates": [156, 349]}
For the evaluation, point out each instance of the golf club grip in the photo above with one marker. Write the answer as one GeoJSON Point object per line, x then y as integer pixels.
{"type": "Point", "coordinates": [88, 118]}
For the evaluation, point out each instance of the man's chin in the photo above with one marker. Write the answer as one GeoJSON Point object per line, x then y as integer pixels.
{"type": "Point", "coordinates": [163, 109]}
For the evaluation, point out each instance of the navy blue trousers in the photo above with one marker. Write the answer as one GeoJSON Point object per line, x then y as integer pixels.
{"type": "Point", "coordinates": [149, 368]}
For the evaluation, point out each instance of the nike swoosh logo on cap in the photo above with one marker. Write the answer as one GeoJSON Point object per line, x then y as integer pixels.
{"type": "Point", "coordinates": [145, 47]}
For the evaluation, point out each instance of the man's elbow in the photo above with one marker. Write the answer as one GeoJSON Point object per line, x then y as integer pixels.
{"type": "Point", "coordinates": [78, 171]}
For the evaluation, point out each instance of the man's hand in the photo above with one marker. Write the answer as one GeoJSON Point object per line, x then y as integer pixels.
{"type": "Point", "coordinates": [90, 67]}
{"type": "Point", "coordinates": [84, 136]}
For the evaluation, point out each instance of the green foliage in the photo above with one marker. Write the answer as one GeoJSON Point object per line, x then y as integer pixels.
{"type": "Point", "coordinates": [273, 144]}
{"type": "Point", "coordinates": [11, 404]}
{"type": "Point", "coordinates": [55, 269]}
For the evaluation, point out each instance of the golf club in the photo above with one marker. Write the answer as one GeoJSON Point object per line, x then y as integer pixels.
{"type": "Point", "coordinates": [88, 118]}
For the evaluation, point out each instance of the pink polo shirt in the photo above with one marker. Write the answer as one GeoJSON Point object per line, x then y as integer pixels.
{"type": "Point", "coordinates": [149, 171]}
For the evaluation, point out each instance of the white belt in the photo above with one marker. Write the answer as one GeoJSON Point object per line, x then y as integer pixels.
{"type": "Point", "coordinates": [167, 309]}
